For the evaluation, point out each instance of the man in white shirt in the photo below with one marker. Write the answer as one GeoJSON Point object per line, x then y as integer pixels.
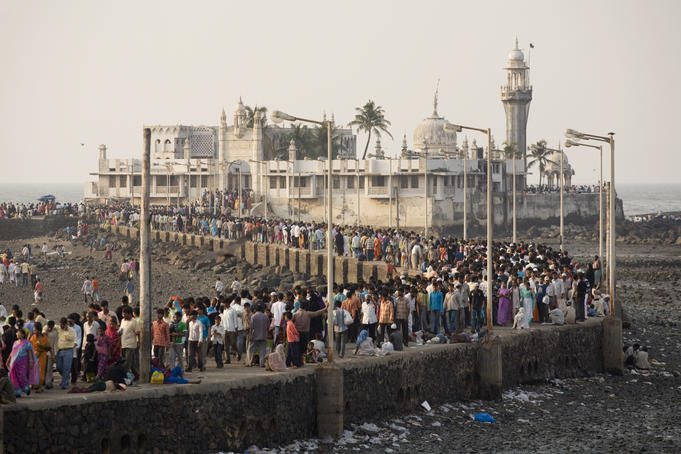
{"type": "Point", "coordinates": [87, 289]}
{"type": "Point", "coordinates": [129, 331]}
{"type": "Point", "coordinates": [278, 308]}
{"type": "Point", "coordinates": [194, 341]}
{"type": "Point", "coordinates": [230, 320]}
{"type": "Point", "coordinates": [219, 287]}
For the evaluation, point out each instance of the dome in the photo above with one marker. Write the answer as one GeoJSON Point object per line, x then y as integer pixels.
{"type": "Point", "coordinates": [516, 55]}
{"type": "Point", "coordinates": [431, 132]}
{"type": "Point", "coordinates": [554, 165]}
{"type": "Point", "coordinates": [240, 107]}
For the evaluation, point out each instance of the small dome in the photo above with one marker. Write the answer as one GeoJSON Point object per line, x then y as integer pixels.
{"type": "Point", "coordinates": [516, 55]}
{"type": "Point", "coordinates": [554, 165]}
{"type": "Point", "coordinates": [240, 107]}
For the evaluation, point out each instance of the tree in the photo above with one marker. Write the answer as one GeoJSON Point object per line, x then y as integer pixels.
{"type": "Point", "coordinates": [319, 145]}
{"type": "Point", "coordinates": [511, 150]}
{"type": "Point", "coordinates": [370, 118]}
{"type": "Point", "coordinates": [302, 137]}
{"type": "Point", "coordinates": [250, 115]}
{"type": "Point", "coordinates": [539, 156]}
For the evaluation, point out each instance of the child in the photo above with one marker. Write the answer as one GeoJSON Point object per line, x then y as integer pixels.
{"type": "Point", "coordinates": [90, 358]}
{"type": "Point", "coordinates": [103, 352]}
{"type": "Point", "coordinates": [293, 337]}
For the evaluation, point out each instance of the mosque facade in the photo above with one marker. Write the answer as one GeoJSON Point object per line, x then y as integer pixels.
{"type": "Point", "coordinates": [422, 185]}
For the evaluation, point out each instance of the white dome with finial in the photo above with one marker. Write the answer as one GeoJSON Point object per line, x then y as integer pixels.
{"type": "Point", "coordinates": [430, 133]}
{"type": "Point", "coordinates": [516, 58]}
{"type": "Point", "coordinates": [240, 108]}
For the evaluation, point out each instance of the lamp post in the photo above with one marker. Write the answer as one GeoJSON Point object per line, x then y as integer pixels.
{"type": "Point", "coordinates": [610, 138]}
{"type": "Point", "coordinates": [425, 189]}
{"type": "Point", "coordinates": [262, 184]}
{"type": "Point", "coordinates": [572, 143]}
{"type": "Point", "coordinates": [278, 117]}
{"type": "Point", "coordinates": [449, 127]}
{"type": "Point", "coordinates": [357, 171]}
{"type": "Point", "coordinates": [465, 195]}
{"type": "Point", "coordinates": [562, 158]}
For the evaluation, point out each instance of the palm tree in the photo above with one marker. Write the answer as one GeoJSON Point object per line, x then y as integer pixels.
{"type": "Point", "coordinates": [540, 156]}
{"type": "Point", "coordinates": [301, 136]}
{"type": "Point", "coordinates": [370, 118]}
{"type": "Point", "coordinates": [250, 115]}
{"type": "Point", "coordinates": [511, 151]}
{"type": "Point", "coordinates": [319, 144]}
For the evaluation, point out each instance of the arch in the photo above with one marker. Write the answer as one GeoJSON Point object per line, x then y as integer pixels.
{"type": "Point", "coordinates": [167, 146]}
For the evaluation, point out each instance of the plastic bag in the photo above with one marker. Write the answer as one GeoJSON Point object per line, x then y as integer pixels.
{"type": "Point", "coordinates": [484, 417]}
{"type": "Point", "coordinates": [157, 378]}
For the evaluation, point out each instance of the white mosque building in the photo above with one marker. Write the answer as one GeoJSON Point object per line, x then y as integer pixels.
{"type": "Point", "coordinates": [188, 161]}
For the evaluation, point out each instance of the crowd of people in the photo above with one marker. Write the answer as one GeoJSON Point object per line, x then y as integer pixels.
{"type": "Point", "coordinates": [574, 189]}
{"type": "Point", "coordinates": [443, 301]}
{"type": "Point", "coordinates": [27, 210]}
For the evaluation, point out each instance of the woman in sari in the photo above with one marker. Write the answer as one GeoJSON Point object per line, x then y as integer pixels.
{"type": "Point", "coordinates": [276, 361]}
{"type": "Point", "coordinates": [504, 312]}
{"type": "Point", "coordinates": [41, 347]}
{"type": "Point", "coordinates": [23, 365]}
{"type": "Point", "coordinates": [527, 297]}
{"type": "Point", "coordinates": [115, 346]}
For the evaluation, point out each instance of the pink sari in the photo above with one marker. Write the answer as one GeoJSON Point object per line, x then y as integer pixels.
{"type": "Point", "coordinates": [23, 365]}
{"type": "Point", "coordinates": [504, 312]}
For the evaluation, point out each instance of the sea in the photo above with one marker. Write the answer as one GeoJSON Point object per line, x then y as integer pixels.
{"type": "Point", "coordinates": [637, 198]}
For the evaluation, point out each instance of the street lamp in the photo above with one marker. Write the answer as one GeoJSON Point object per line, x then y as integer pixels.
{"type": "Point", "coordinates": [571, 143]}
{"type": "Point", "coordinates": [277, 117]}
{"type": "Point", "coordinates": [562, 158]}
{"type": "Point", "coordinates": [449, 127]}
{"type": "Point", "coordinates": [610, 138]}
{"type": "Point", "coordinates": [262, 184]}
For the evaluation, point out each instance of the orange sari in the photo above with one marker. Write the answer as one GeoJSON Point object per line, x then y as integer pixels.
{"type": "Point", "coordinates": [41, 345]}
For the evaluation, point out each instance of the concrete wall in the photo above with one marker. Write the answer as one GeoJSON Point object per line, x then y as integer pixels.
{"type": "Point", "coordinates": [446, 213]}
{"type": "Point", "coordinates": [258, 410]}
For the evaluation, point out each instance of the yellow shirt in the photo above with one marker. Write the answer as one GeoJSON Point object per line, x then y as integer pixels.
{"type": "Point", "coordinates": [67, 337]}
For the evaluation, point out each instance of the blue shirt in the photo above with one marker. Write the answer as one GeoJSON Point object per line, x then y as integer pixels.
{"type": "Point", "coordinates": [206, 325]}
{"type": "Point", "coordinates": [436, 301]}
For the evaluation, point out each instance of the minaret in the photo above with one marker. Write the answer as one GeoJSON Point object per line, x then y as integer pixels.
{"type": "Point", "coordinates": [464, 148]}
{"type": "Point", "coordinates": [292, 150]}
{"type": "Point", "coordinates": [222, 136]}
{"type": "Point", "coordinates": [516, 96]}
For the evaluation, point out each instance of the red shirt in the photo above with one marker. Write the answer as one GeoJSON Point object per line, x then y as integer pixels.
{"type": "Point", "coordinates": [160, 333]}
{"type": "Point", "coordinates": [292, 334]}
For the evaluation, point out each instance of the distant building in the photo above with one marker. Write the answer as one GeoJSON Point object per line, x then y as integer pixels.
{"type": "Point", "coordinates": [187, 161]}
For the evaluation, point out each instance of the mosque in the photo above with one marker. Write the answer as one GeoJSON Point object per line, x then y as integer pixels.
{"type": "Point", "coordinates": [422, 186]}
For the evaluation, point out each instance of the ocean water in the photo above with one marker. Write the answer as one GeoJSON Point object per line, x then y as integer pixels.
{"type": "Point", "coordinates": [637, 198]}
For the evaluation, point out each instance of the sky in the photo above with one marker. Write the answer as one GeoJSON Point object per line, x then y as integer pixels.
{"type": "Point", "coordinates": [92, 72]}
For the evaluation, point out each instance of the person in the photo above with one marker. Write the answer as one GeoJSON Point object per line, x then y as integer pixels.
{"type": "Point", "coordinates": [504, 312]}
{"type": "Point", "coordinates": [203, 318]}
{"type": "Point", "coordinates": [178, 331]}
{"type": "Point", "coordinates": [65, 343]}
{"type": "Point", "coordinates": [23, 365]}
{"type": "Point", "coordinates": [195, 339]}
{"type": "Point", "coordinates": [339, 329]}
{"type": "Point", "coordinates": [477, 299]}
{"type": "Point", "coordinates": [436, 306]}
{"type": "Point", "coordinates": [87, 289]}
{"type": "Point", "coordinates": [113, 334]}
{"type": "Point", "coordinates": [129, 331]}
{"type": "Point", "coordinates": [219, 287]}
{"type": "Point", "coordinates": [597, 271]}
{"type": "Point", "coordinates": [160, 336]}
{"type": "Point", "coordinates": [73, 321]}
{"type": "Point", "coordinates": [580, 298]}
{"type": "Point", "coordinates": [369, 318]}
{"type": "Point", "coordinates": [129, 289]}
{"type": "Point", "coordinates": [278, 308]}
{"type": "Point", "coordinates": [386, 316]}
{"type": "Point", "coordinates": [293, 339]}
{"type": "Point", "coordinates": [41, 348]}
{"type": "Point", "coordinates": [38, 291]}
{"type": "Point", "coordinates": [95, 289]}
{"type": "Point", "coordinates": [557, 316]}
{"type": "Point", "coordinates": [259, 326]}
{"type": "Point", "coordinates": [103, 352]}
{"type": "Point", "coordinates": [276, 361]}
{"type": "Point", "coordinates": [53, 338]}
{"type": "Point", "coordinates": [217, 334]}
{"type": "Point", "coordinates": [527, 297]}
{"type": "Point", "coordinates": [365, 344]}
{"type": "Point", "coordinates": [90, 358]}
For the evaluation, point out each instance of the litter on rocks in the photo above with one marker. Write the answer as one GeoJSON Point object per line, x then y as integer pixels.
{"type": "Point", "coordinates": [426, 405]}
{"type": "Point", "coordinates": [484, 417]}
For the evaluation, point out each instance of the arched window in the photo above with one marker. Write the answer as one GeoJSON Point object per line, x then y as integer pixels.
{"type": "Point", "coordinates": [157, 146]}
{"type": "Point", "coordinates": [167, 146]}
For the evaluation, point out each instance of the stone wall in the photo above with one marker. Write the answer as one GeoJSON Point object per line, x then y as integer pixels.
{"type": "Point", "coordinates": [263, 410]}
{"type": "Point", "coordinates": [274, 409]}
{"type": "Point", "coordinates": [15, 229]}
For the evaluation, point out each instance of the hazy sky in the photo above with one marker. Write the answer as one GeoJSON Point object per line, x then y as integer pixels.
{"type": "Point", "coordinates": [95, 72]}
